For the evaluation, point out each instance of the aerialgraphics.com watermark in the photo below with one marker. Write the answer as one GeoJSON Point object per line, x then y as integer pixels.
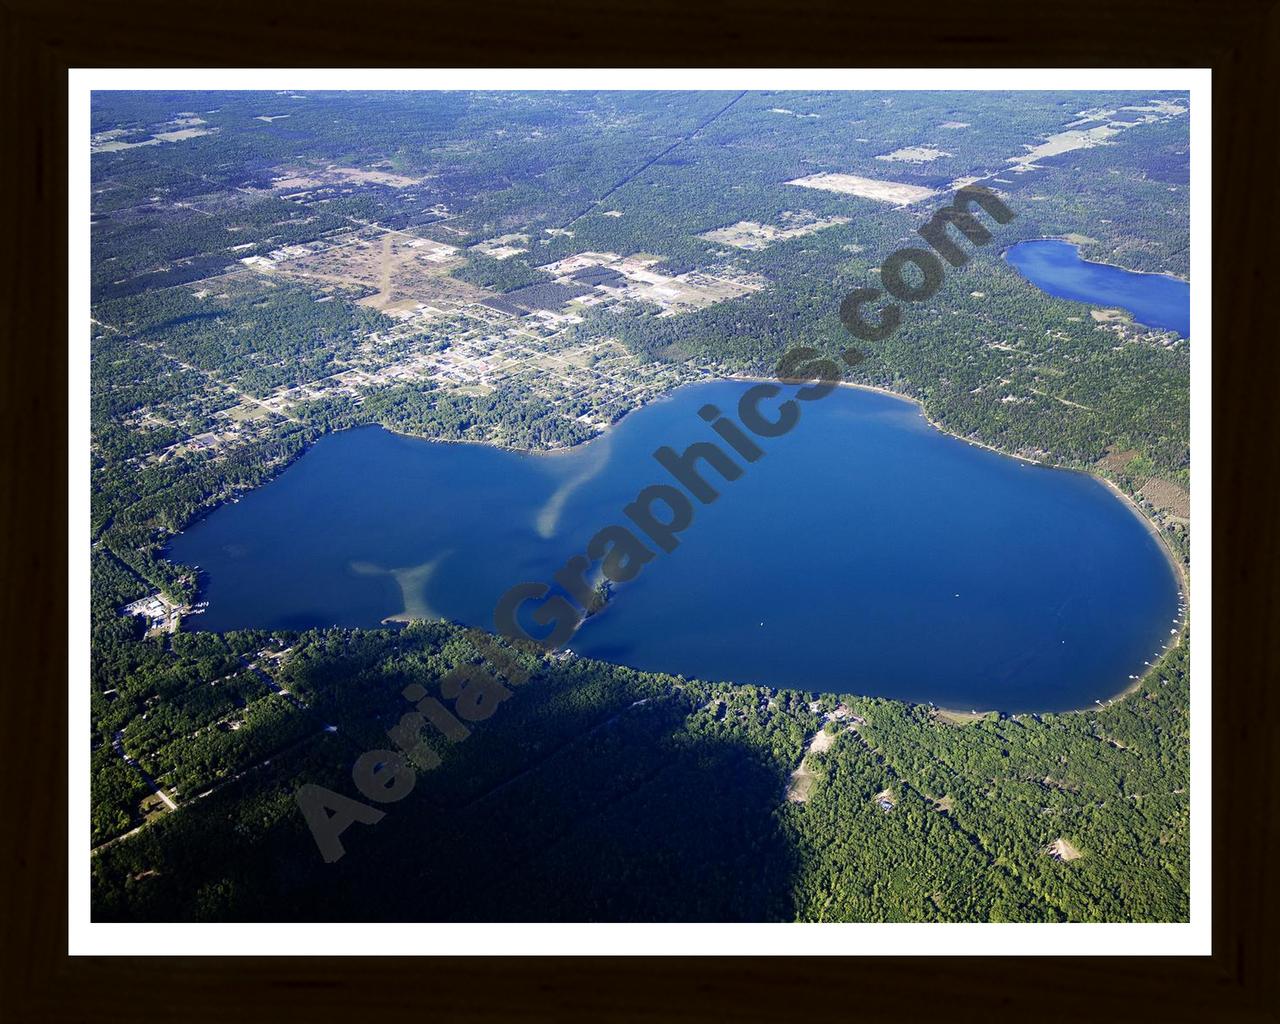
{"type": "Point", "coordinates": [657, 515]}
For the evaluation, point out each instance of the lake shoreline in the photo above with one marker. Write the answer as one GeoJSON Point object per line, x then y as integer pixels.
{"type": "Point", "coordinates": [1156, 300]}
{"type": "Point", "coordinates": [401, 619]}
{"type": "Point", "coordinates": [1180, 571]}
{"type": "Point", "coordinates": [1098, 263]}
{"type": "Point", "coordinates": [1175, 564]}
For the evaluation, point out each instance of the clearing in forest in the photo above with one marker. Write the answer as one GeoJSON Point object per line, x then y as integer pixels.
{"type": "Point", "coordinates": [802, 778]}
{"type": "Point", "coordinates": [894, 192]}
{"type": "Point", "coordinates": [1062, 850]}
{"type": "Point", "coordinates": [914, 155]}
{"type": "Point", "coordinates": [748, 234]}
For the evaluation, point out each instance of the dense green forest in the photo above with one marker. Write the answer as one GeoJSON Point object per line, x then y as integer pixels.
{"type": "Point", "coordinates": [603, 793]}
{"type": "Point", "coordinates": [599, 792]}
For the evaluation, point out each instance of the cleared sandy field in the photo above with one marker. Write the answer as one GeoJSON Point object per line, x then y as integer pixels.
{"type": "Point", "coordinates": [1062, 850]}
{"type": "Point", "coordinates": [1167, 495]}
{"type": "Point", "coordinates": [894, 192]}
{"type": "Point", "coordinates": [751, 235]}
{"type": "Point", "coordinates": [914, 155]}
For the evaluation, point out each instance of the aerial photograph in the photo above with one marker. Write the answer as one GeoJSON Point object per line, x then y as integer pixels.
{"type": "Point", "coordinates": [639, 506]}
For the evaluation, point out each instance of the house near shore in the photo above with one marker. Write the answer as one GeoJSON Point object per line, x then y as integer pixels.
{"type": "Point", "coordinates": [153, 608]}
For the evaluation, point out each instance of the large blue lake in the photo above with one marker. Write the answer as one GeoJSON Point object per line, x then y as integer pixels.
{"type": "Point", "coordinates": [1054, 266]}
{"type": "Point", "coordinates": [866, 552]}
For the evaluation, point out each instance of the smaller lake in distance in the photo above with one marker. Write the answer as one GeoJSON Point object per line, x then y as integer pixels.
{"type": "Point", "coordinates": [865, 553]}
{"type": "Point", "coordinates": [1055, 266]}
